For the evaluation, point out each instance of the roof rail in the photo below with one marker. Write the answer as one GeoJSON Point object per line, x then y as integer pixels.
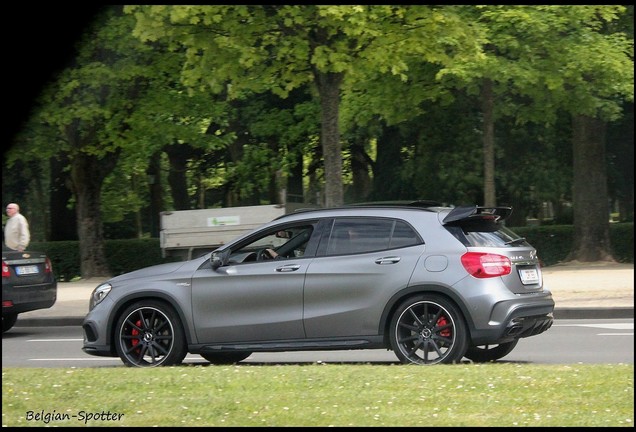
{"type": "Point", "coordinates": [405, 203]}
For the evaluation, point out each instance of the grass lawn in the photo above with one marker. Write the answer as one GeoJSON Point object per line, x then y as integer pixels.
{"type": "Point", "coordinates": [495, 394]}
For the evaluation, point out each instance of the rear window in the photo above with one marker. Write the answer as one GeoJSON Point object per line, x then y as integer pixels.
{"type": "Point", "coordinates": [485, 234]}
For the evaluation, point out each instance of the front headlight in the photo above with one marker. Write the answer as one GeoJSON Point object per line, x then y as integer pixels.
{"type": "Point", "coordinates": [99, 294]}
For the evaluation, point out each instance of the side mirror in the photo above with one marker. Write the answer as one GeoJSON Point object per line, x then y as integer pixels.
{"type": "Point", "coordinates": [218, 259]}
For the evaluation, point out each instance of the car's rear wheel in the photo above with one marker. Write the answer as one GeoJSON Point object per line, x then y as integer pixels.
{"type": "Point", "coordinates": [226, 357]}
{"type": "Point", "coordinates": [428, 329]}
{"type": "Point", "coordinates": [149, 333]}
{"type": "Point", "coordinates": [488, 353]}
{"type": "Point", "coordinates": [8, 321]}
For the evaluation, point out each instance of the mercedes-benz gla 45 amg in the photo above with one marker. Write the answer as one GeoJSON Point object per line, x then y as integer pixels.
{"type": "Point", "coordinates": [433, 284]}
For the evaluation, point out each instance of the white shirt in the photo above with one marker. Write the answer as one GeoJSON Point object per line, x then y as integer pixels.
{"type": "Point", "coordinates": [16, 232]}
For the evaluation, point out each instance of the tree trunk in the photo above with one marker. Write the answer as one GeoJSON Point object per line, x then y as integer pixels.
{"type": "Point", "coordinates": [314, 189]}
{"type": "Point", "coordinates": [388, 163]}
{"type": "Point", "coordinates": [487, 104]}
{"type": "Point", "coordinates": [87, 174]}
{"type": "Point", "coordinates": [360, 163]}
{"type": "Point", "coordinates": [329, 91]}
{"type": "Point", "coordinates": [590, 199]}
{"type": "Point", "coordinates": [178, 155]}
{"type": "Point", "coordinates": [620, 155]}
{"type": "Point", "coordinates": [59, 198]}
{"type": "Point", "coordinates": [156, 193]}
{"type": "Point", "coordinates": [294, 187]}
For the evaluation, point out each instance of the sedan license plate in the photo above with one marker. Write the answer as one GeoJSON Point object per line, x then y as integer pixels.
{"type": "Point", "coordinates": [26, 270]}
{"type": "Point", "coordinates": [529, 276]}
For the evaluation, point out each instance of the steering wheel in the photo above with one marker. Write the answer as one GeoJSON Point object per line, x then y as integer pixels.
{"type": "Point", "coordinates": [263, 255]}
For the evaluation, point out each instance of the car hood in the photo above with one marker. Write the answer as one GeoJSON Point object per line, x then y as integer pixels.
{"type": "Point", "coordinates": [152, 272]}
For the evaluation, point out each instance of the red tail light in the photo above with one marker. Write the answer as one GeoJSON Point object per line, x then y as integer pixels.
{"type": "Point", "coordinates": [5, 270]}
{"type": "Point", "coordinates": [484, 265]}
{"type": "Point", "coordinates": [48, 267]}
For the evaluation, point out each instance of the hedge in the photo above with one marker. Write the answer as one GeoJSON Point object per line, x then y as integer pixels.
{"type": "Point", "coordinates": [122, 256]}
{"type": "Point", "coordinates": [552, 242]}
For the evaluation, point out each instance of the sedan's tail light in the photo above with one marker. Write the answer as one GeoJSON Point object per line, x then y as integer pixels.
{"type": "Point", "coordinates": [5, 270]}
{"type": "Point", "coordinates": [484, 265]}
{"type": "Point", "coordinates": [48, 267]}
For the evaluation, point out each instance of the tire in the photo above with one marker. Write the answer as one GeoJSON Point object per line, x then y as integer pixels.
{"type": "Point", "coordinates": [488, 353]}
{"type": "Point", "coordinates": [226, 357]}
{"type": "Point", "coordinates": [428, 329]}
{"type": "Point", "coordinates": [149, 333]}
{"type": "Point", "coordinates": [8, 321]}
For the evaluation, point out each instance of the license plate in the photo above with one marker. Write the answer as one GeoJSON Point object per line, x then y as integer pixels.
{"type": "Point", "coordinates": [26, 270]}
{"type": "Point", "coordinates": [529, 276]}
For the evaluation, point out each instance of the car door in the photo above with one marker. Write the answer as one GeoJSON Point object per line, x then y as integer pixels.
{"type": "Point", "coordinates": [250, 298]}
{"type": "Point", "coordinates": [360, 264]}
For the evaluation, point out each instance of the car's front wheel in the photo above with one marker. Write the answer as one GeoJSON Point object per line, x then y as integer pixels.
{"type": "Point", "coordinates": [488, 353]}
{"type": "Point", "coordinates": [149, 333]}
{"type": "Point", "coordinates": [428, 329]}
{"type": "Point", "coordinates": [8, 321]}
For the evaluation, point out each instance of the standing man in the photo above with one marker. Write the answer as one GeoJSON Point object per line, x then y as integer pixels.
{"type": "Point", "coordinates": [16, 231]}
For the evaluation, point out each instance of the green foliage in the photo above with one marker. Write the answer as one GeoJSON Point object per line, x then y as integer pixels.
{"type": "Point", "coordinates": [554, 242]}
{"type": "Point", "coordinates": [128, 255]}
{"type": "Point", "coordinates": [122, 255]}
{"type": "Point", "coordinates": [325, 395]}
{"type": "Point", "coordinates": [418, 67]}
{"type": "Point", "coordinates": [64, 256]}
{"type": "Point", "coordinates": [560, 57]}
{"type": "Point", "coordinates": [622, 241]}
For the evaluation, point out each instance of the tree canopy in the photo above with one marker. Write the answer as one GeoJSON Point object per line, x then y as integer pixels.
{"type": "Point", "coordinates": [191, 106]}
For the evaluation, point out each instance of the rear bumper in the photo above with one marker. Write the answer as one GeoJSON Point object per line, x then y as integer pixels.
{"type": "Point", "coordinates": [19, 299]}
{"type": "Point", "coordinates": [511, 320]}
{"type": "Point", "coordinates": [528, 326]}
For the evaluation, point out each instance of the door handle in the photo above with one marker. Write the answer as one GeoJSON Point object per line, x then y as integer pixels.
{"type": "Point", "coordinates": [388, 260]}
{"type": "Point", "coordinates": [288, 268]}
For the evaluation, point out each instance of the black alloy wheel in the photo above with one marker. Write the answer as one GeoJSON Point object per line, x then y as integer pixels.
{"type": "Point", "coordinates": [428, 329]}
{"type": "Point", "coordinates": [149, 333]}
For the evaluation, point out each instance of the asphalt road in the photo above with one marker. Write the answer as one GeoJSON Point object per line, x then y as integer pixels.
{"type": "Point", "coordinates": [591, 341]}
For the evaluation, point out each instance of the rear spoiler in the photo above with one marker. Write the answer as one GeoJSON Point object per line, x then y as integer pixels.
{"type": "Point", "coordinates": [470, 213]}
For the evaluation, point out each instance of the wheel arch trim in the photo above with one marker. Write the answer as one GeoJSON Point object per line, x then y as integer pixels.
{"type": "Point", "coordinates": [131, 298]}
{"type": "Point", "coordinates": [398, 297]}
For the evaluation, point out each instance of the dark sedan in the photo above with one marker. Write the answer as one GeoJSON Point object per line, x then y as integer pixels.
{"type": "Point", "coordinates": [28, 283]}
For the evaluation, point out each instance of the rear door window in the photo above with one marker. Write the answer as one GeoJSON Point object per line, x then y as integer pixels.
{"type": "Point", "coordinates": [361, 235]}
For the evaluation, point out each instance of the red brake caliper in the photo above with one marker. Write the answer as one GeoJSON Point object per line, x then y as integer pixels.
{"type": "Point", "coordinates": [135, 332]}
{"type": "Point", "coordinates": [442, 322]}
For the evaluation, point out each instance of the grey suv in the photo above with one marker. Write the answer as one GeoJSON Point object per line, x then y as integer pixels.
{"type": "Point", "coordinates": [434, 284]}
